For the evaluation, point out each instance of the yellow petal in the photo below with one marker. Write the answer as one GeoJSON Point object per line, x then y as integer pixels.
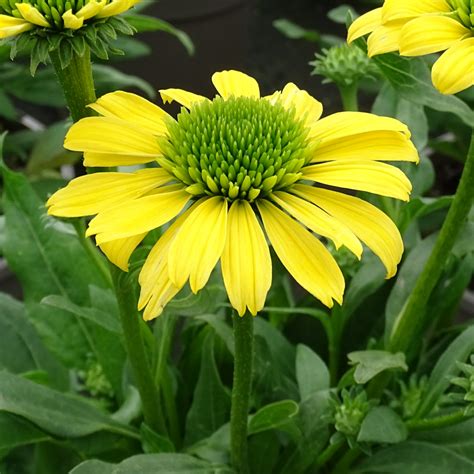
{"type": "Point", "coordinates": [113, 159]}
{"type": "Point", "coordinates": [138, 216]}
{"type": "Point", "coordinates": [119, 251]}
{"type": "Point", "coordinates": [407, 9]}
{"type": "Point", "coordinates": [112, 136]}
{"type": "Point", "coordinates": [93, 193]}
{"type": "Point", "coordinates": [115, 7]}
{"type": "Point", "coordinates": [71, 21]}
{"type": "Point", "coordinates": [32, 14]}
{"type": "Point", "coordinates": [246, 263]}
{"type": "Point", "coordinates": [370, 176]}
{"type": "Point", "coordinates": [318, 221]}
{"type": "Point", "coordinates": [185, 98]}
{"type": "Point", "coordinates": [385, 38]}
{"type": "Point", "coordinates": [454, 70]}
{"type": "Point", "coordinates": [367, 222]}
{"type": "Point", "coordinates": [344, 124]}
{"type": "Point", "coordinates": [430, 34]}
{"type": "Point", "coordinates": [307, 108]}
{"type": "Point", "coordinates": [156, 287]}
{"type": "Point", "coordinates": [364, 24]}
{"type": "Point", "coordinates": [11, 26]}
{"type": "Point", "coordinates": [303, 255]}
{"type": "Point", "coordinates": [379, 146]}
{"type": "Point", "coordinates": [91, 9]}
{"type": "Point", "coordinates": [134, 109]}
{"type": "Point", "coordinates": [199, 243]}
{"type": "Point", "coordinates": [235, 83]}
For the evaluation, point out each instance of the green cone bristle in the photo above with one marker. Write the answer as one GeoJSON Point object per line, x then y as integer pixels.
{"type": "Point", "coordinates": [464, 10]}
{"type": "Point", "coordinates": [239, 148]}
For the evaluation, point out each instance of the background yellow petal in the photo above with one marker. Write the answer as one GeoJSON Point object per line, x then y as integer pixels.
{"type": "Point", "coordinates": [182, 97]}
{"type": "Point", "coordinates": [454, 70]}
{"type": "Point", "coordinates": [364, 24]}
{"type": "Point", "coordinates": [369, 223]}
{"type": "Point", "coordinates": [303, 255]}
{"type": "Point", "coordinates": [110, 135]}
{"type": "Point", "coordinates": [235, 83]}
{"type": "Point", "coordinates": [246, 262]}
{"type": "Point", "coordinates": [32, 14]}
{"type": "Point", "coordinates": [135, 217]}
{"type": "Point", "coordinates": [377, 145]}
{"type": "Point", "coordinates": [71, 21]}
{"type": "Point", "coordinates": [199, 243]}
{"type": "Point", "coordinates": [119, 251]}
{"type": "Point", "coordinates": [91, 9]}
{"type": "Point", "coordinates": [370, 176]}
{"type": "Point", "coordinates": [398, 9]}
{"type": "Point", "coordinates": [134, 109]}
{"type": "Point", "coordinates": [385, 38]}
{"type": "Point", "coordinates": [115, 7]}
{"type": "Point", "coordinates": [93, 193]}
{"type": "Point", "coordinates": [318, 221]}
{"type": "Point", "coordinates": [344, 124]}
{"type": "Point", "coordinates": [307, 107]}
{"type": "Point", "coordinates": [11, 26]}
{"type": "Point", "coordinates": [430, 34]}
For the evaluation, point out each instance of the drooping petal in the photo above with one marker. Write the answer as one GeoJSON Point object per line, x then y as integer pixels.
{"type": "Point", "coordinates": [235, 83]}
{"type": "Point", "coordinates": [11, 26]}
{"type": "Point", "coordinates": [407, 9]}
{"type": "Point", "coordinates": [134, 109]}
{"type": "Point", "coordinates": [364, 24]}
{"type": "Point", "coordinates": [385, 38]}
{"type": "Point", "coordinates": [119, 251]}
{"type": "Point", "coordinates": [370, 176]}
{"type": "Point", "coordinates": [318, 221]}
{"type": "Point", "coordinates": [303, 255]}
{"type": "Point", "coordinates": [367, 222]}
{"type": "Point", "coordinates": [307, 107]}
{"type": "Point", "coordinates": [430, 34]}
{"type": "Point", "coordinates": [115, 7]}
{"type": "Point", "coordinates": [32, 14]}
{"type": "Point", "coordinates": [93, 193]}
{"type": "Point", "coordinates": [112, 136]}
{"type": "Point", "coordinates": [344, 124]}
{"type": "Point", "coordinates": [246, 263]}
{"type": "Point", "coordinates": [376, 145]}
{"type": "Point", "coordinates": [138, 216]}
{"type": "Point", "coordinates": [199, 243]}
{"type": "Point", "coordinates": [185, 98]}
{"type": "Point", "coordinates": [454, 70]}
{"type": "Point", "coordinates": [156, 287]}
{"type": "Point", "coordinates": [91, 9]}
{"type": "Point", "coordinates": [71, 21]}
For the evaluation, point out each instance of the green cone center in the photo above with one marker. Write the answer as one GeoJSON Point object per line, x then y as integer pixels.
{"type": "Point", "coordinates": [464, 10]}
{"type": "Point", "coordinates": [239, 148]}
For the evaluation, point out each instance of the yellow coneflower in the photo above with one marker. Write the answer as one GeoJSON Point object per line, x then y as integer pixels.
{"type": "Point", "coordinates": [228, 171]}
{"type": "Point", "coordinates": [416, 28]}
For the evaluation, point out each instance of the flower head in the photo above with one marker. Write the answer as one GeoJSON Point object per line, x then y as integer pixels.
{"type": "Point", "coordinates": [420, 27]}
{"type": "Point", "coordinates": [228, 171]}
{"type": "Point", "coordinates": [16, 17]}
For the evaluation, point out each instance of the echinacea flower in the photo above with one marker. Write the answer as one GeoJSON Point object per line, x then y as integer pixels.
{"type": "Point", "coordinates": [419, 27]}
{"type": "Point", "coordinates": [228, 171]}
{"type": "Point", "coordinates": [16, 17]}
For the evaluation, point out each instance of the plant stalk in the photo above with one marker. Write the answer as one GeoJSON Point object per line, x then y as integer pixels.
{"type": "Point", "coordinates": [413, 319]}
{"type": "Point", "coordinates": [243, 358]}
{"type": "Point", "coordinates": [350, 102]}
{"type": "Point", "coordinates": [426, 424]}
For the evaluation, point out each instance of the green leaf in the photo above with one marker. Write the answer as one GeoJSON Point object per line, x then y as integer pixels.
{"type": "Point", "coordinates": [15, 431]}
{"type": "Point", "coordinates": [7, 108]}
{"type": "Point", "coordinates": [446, 369]}
{"type": "Point", "coordinates": [340, 13]}
{"type": "Point", "coordinates": [415, 457]}
{"type": "Point", "coordinates": [382, 425]}
{"type": "Point", "coordinates": [59, 414]}
{"type": "Point", "coordinates": [312, 374]}
{"type": "Point", "coordinates": [293, 31]}
{"type": "Point", "coordinates": [154, 464]}
{"type": "Point", "coordinates": [269, 444]}
{"type": "Point", "coordinates": [215, 448]}
{"type": "Point", "coordinates": [372, 363]}
{"type": "Point", "coordinates": [273, 416]}
{"type": "Point", "coordinates": [411, 79]}
{"type": "Point", "coordinates": [211, 402]}
{"type": "Point", "coordinates": [153, 442]}
{"type": "Point", "coordinates": [21, 350]}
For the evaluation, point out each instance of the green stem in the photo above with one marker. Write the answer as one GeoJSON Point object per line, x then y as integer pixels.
{"type": "Point", "coordinates": [243, 358]}
{"type": "Point", "coordinates": [413, 319]}
{"type": "Point", "coordinates": [135, 346]}
{"type": "Point", "coordinates": [329, 453]}
{"type": "Point", "coordinates": [427, 424]}
{"type": "Point", "coordinates": [349, 98]}
{"type": "Point", "coordinates": [77, 83]}
{"type": "Point", "coordinates": [344, 465]}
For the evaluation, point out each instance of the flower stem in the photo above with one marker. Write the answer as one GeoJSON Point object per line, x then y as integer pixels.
{"type": "Point", "coordinates": [135, 346]}
{"type": "Point", "coordinates": [243, 358]}
{"type": "Point", "coordinates": [77, 83]}
{"type": "Point", "coordinates": [413, 319]}
{"type": "Point", "coordinates": [349, 98]}
{"type": "Point", "coordinates": [426, 424]}
{"type": "Point", "coordinates": [329, 453]}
